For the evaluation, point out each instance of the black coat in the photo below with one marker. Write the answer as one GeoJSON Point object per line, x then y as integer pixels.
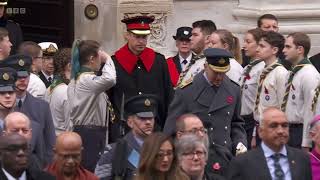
{"type": "Point", "coordinates": [32, 174]}
{"type": "Point", "coordinates": [315, 60]}
{"type": "Point", "coordinates": [15, 35]}
{"type": "Point", "coordinates": [253, 165]}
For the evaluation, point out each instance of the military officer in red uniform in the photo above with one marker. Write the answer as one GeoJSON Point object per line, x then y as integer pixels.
{"type": "Point", "coordinates": [140, 70]}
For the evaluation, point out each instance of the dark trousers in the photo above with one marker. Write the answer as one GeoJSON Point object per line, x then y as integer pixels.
{"type": "Point", "coordinates": [295, 135]}
{"type": "Point", "coordinates": [93, 142]}
{"type": "Point", "coordinates": [249, 124]}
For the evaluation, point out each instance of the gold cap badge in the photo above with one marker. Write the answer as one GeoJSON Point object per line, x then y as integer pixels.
{"type": "Point", "coordinates": [6, 76]}
{"type": "Point", "coordinates": [222, 61]}
{"type": "Point", "coordinates": [21, 62]}
{"type": "Point", "coordinates": [51, 49]}
{"type": "Point", "coordinates": [147, 102]}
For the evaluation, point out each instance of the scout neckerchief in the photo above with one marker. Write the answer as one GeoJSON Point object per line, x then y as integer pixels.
{"type": "Point", "coordinates": [57, 81]}
{"type": "Point", "coordinates": [184, 73]}
{"type": "Point", "coordinates": [248, 70]}
{"type": "Point", "coordinates": [109, 104]}
{"type": "Point", "coordinates": [263, 76]}
{"type": "Point", "coordinates": [315, 99]}
{"type": "Point", "coordinates": [289, 83]}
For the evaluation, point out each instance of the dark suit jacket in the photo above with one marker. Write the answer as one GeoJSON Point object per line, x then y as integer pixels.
{"type": "Point", "coordinates": [253, 165]}
{"type": "Point", "coordinates": [315, 60]}
{"type": "Point", "coordinates": [32, 174]}
{"type": "Point", "coordinates": [44, 79]}
{"type": "Point", "coordinates": [39, 111]}
{"type": "Point", "coordinates": [176, 61]}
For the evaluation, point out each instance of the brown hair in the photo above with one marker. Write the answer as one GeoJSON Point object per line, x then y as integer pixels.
{"type": "Point", "coordinates": [207, 26]}
{"type": "Point", "coordinates": [275, 40]}
{"type": "Point", "coordinates": [232, 41]}
{"type": "Point", "coordinates": [256, 33]}
{"type": "Point", "coordinates": [29, 48]}
{"type": "Point", "coordinates": [3, 33]}
{"type": "Point", "coordinates": [301, 39]}
{"type": "Point", "coordinates": [151, 146]}
{"type": "Point", "coordinates": [266, 16]}
{"type": "Point", "coordinates": [60, 61]}
{"type": "Point", "coordinates": [87, 48]}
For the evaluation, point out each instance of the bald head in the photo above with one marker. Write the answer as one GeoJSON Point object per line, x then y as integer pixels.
{"type": "Point", "coordinates": [272, 113]}
{"type": "Point", "coordinates": [17, 122]}
{"type": "Point", "coordinates": [68, 140]}
{"type": "Point", "coordinates": [189, 123]}
{"type": "Point", "coordinates": [68, 153]}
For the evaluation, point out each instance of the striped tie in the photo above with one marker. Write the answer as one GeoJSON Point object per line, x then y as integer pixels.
{"type": "Point", "coordinates": [288, 87]}
{"type": "Point", "coordinates": [262, 78]}
{"type": "Point", "coordinates": [315, 99]}
{"type": "Point", "coordinates": [248, 70]}
{"type": "Point", "coordinates": [184, 73]}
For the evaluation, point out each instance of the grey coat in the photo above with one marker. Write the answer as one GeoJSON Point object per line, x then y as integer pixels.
{"type": "Point", "coordinates": [219, 110]}
{"type": "Point", "coordinates": [39, 111]}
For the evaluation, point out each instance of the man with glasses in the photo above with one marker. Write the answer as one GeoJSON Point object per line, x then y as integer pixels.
{"type": "Point", "coordinates": [67, 151]}
{"type": "Point", "coordinates": [49, 49]}
{"type": "Point", "coordinates": [14, 155]}
{"type": "Point", "coordinates": [120, 160]}
{"type": "Point", "coordinates": [219, 156]}
{"type": "Point", "coordinates": [17, 122]}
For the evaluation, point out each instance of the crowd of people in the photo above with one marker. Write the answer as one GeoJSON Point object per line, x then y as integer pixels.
{"type": "Point", "coordinates": [215, 111]}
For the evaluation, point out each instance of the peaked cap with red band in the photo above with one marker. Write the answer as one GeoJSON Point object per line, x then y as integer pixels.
{"type": "Point", "coordinates": [139, 24]}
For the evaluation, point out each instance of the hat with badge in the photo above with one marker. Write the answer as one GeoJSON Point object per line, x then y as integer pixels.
{"type": "Point", "coordinates": [183, 33]}
{"type": "Point", "coordinates": [144, 106]}
{"type": "Point", "coordinates": [20, 62]}
{"type": "Point", "coordinates": [3, 2]}
{"type": "Point", "coordinates": [8, 77]}
{"type": "Point", "coordinates": [139, 25]}
{"type": "Point", "coordinates": [218, 59]}
{"type": "Point", "coordinates": [48, 48]}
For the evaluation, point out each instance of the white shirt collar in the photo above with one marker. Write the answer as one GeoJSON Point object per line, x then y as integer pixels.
{"type": "Point", "coordinates": [188, 58]}
{"type": "Point", "coordinates": [22, 177]}
{"type": "Point", "coordinates": [47, 76]}
{"type": "Point", "coordinates": [269, 152]}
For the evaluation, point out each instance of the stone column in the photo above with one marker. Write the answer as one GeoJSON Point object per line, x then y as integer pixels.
{"type": "Point", "coordinates": [293, 16]}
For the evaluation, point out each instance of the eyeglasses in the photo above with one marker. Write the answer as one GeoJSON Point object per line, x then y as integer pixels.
{"type": "Point", "coordinates": [195, 131]}
{"type": "Point", "coordinates": [190, 155]}
{"type": "Point", "coordinates": [162, 154]}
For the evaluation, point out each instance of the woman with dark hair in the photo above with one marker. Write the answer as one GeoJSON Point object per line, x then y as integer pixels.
{"type": "Point", "coordinates": [87, 98]}
{"type": "Point", "coordinates": [158, 160]}
{"type": "Point", "coordinates": [224, 39]}
{"type": "Point", "coordinates": [249, 81]}
{"type": "Point", "coordinates": [56, 94]}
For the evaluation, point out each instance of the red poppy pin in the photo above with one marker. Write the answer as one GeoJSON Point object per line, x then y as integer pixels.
{"type": "Point", "coordinates": [247, 77]}
{"type": "Point", "coordinates": [229, 99]}
{"type": "Point", "coordinates": [266, 90]}
{"type": "Point", "coordinates": [216, 166]}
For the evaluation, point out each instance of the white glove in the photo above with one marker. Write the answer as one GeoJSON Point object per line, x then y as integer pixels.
{"type": "Point", "coordinates": [240, 149]}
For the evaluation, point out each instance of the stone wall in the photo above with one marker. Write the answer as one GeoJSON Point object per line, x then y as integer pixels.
{"type": "Point", "coordinates": [235, 15]}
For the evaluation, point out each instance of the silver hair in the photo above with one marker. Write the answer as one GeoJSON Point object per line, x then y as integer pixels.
{"type": "Point", "coordinates": [190, 142]}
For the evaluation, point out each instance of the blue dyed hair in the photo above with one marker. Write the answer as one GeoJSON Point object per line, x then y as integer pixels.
{"type": "Point", "coordinates": [75, 59]}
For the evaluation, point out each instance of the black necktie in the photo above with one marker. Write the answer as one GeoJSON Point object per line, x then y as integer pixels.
{"type": "Point", "coordinates": [50, 79]}
{"type": "Point", "coordinates": [20, 103]}
{"type": "Point", "coordinates": [184, 62]}
{"type": "Point", "coordinates": [278, 172]}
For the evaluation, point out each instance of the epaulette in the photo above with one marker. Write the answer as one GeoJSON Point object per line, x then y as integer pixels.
{"type": "Point", "coordinates": [186, 83]}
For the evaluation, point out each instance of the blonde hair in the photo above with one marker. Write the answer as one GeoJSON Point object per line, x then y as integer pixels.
{"type": "Point", "coordinates": [232, 41]}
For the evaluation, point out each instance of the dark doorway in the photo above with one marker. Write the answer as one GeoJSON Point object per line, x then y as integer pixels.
{"type": "Point", "coordinates": [45, 20]}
